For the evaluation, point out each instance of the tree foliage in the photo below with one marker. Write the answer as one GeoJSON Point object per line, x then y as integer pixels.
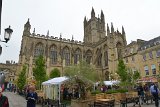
{"type": "Point", "coordinates": [83, 75]}
{"type": "Point", "coordinates": [21, 81]}
{"type": "Point", "coordinates": [39, 71]}
{"type": "Point", "coordinates": [136, 75]}
{"type": "Point", "coordinates": [122, 71]}
{"type": "Point", "coordinates": [83, 69]}
{"type": "Point", "coordinates": [127, 76]}
{"type": "Point", "coordinates": [55, 73]}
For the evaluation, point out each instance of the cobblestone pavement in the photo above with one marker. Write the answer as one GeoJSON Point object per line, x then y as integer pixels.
{"type": "Point", "coordinates": [16, 100]}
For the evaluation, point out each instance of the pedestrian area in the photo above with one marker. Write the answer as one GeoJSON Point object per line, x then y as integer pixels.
{"type": "Point", "coordinates": [16, 100]}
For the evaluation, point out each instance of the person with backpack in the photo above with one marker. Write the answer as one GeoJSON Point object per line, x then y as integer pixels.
{"type": "Point", "coordinates": [3, 99]}
{"type": "Point", "coordinates": [155, 92]}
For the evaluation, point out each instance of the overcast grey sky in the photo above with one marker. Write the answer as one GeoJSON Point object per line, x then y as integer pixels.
{"type": "Point", "coordinates": [140, 18]}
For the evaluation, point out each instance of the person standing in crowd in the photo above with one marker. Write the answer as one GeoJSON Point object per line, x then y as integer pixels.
{"type": "Point", "coordinates": [31, 97]}
{"type": "Point", "coordinates": [140, 93]}
{"type": "Point", "coordinates": [155, 91]}
{"type": "Point", "coordinates": [3, 100]}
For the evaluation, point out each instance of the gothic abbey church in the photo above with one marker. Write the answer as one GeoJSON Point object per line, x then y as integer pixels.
{"type": "Point", "coordinates": [101, 47]}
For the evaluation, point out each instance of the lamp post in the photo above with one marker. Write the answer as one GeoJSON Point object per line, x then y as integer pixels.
{"type": "Point", "coordinates": [7, 36]}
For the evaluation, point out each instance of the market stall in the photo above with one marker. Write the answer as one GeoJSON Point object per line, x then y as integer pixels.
{"type": "Point", "coordinates": [111, 82]}
{"type": "Point", "coordinates": [52, 87]}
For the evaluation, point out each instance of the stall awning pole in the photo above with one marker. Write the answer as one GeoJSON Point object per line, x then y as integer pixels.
{"type": "Point", "coordinates": [59, 94]}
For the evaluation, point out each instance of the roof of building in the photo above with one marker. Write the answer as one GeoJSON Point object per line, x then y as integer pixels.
{"type": "Point", "coordinates": [150, 43]}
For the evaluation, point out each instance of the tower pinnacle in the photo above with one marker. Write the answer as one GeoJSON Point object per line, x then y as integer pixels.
{"type": "Point", "coordinates": [92, 13]}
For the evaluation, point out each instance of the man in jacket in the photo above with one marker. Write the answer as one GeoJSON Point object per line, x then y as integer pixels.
{"type": "Point", "coordinates": [155, 91]}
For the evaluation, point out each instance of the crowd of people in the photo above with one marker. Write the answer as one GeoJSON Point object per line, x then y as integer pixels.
{"type": "Point", "coordinates": [148, 89]}
{"type": "Point", "coordinates": [71, 93]}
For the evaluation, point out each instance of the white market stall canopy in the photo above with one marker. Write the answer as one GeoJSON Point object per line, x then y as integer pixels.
{"type": "Point", "coordinates": [111, 82]}
{"type": "Point", "coordinates": [57, 80]}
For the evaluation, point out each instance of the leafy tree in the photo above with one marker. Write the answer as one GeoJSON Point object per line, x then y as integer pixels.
{"type": "Point", "coordinates": [136, 75]}
{"type": "Point", "coordinates": [39, 71]}
{"type": "Point", "coordinates": [127, 76]}
{"type": "Point", "coordinates": [55, 73]}
{"type": "Point", "coordinates": [83, 69]}
{"type": "Point", "coordinates": [122, 71]}
{"type": "Point", "coordinates": [83, 75]}
{"type": "Point", "coordinates": [21, 81]}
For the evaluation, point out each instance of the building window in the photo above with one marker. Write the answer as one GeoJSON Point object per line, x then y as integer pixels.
{"type": "Point", "coordinates": [153, 67]}
{"type": "Point", "coordinates": [99, 63]}
{"type": "Point", "coordinates": [106, 58]}
{"type": "Point", "coordinates": [150, 55]}
{"type": "Point", "coordinates": [66, 55]}
{"type": "Point", "coordinates": [88, 56]}
{"type": "Point", "coordinates": [77, 56]}
{"type": "Point", "coordinates": [99, 57]}
{"type": "Point", "coordinates": [158, 53]}
{"type": "Point", "coordinates": [39, 50]}
{"type": "Point", "coordinates": [144, 57]}
{"type": "Point", "coordinates": [146, 70]}
{"type": "Point", "coordinates": [53, 55]}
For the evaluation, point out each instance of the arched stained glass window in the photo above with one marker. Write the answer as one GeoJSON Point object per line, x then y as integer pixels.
{"type": "Point", "coordinates": [77, 56]}
{"type": "Point", "coordinates": [53, 54]}
{"type": "Point", "coordinates": [66, 56]}
{"type": "Point", "coordinates": [119, 50]}
{"type": "Point", "coordinates": [88, 56]}
{"type": "Point", "coordinates": [99, 58]}
{"type": "Point", "coordinates": [39, 50]}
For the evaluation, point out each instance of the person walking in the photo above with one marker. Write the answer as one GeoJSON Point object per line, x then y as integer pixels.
{"type": "Point", "coordinates": [155, 91]}
{"type": "Point", "coordinates": [3, 99]}
{"type": "Point", "coordinates": [31, 97]}
{"type": "Point", "coordinates": [140, 93]}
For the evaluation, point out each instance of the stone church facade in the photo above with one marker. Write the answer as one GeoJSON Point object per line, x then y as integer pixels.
{"type": "Point", "coordinates": [102, 46]}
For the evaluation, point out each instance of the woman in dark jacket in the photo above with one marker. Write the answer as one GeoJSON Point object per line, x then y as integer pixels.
{"type": "Point", "coordinates": [31, 97]}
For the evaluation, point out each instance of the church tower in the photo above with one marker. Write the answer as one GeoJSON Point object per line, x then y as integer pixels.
{"type": "Point", "coordinates": [27, 28]}
{"type": "Point", "coordinates": [94, 29]}
{"type": "Point", "coordinates": [24, 42]}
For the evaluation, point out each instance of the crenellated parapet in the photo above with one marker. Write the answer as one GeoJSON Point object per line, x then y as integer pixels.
{"type": "Point", "coordinates": [56, 38]}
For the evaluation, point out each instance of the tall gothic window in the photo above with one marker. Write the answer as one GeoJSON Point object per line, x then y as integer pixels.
{"type": "Point", "coordinates": [77, 56]}
{"type": "Point", "coordinates": [66, 55]}
{"type": "Point", "coordinates": [105, 55]}
{"type": "Point", "coordinates": [53, 55]}
{"type": "Point", "coordinates": [39, 50]}
{"type": "Point", "coordinates": [106, 58]}
{"type": "Point", "coordinates": [88, 56]}
{"type": "Point", "coordinates": [99, 58]}
{"type": "Point", "coordinates": [119, 50]}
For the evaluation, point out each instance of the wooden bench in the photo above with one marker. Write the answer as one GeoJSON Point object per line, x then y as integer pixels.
{"type": "Point", "coordinates": [134, 100]}
{"type": "Point", "coordinates": [103, 103]}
